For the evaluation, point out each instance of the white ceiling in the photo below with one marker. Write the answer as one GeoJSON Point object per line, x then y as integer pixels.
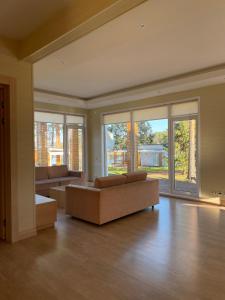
{"type": "Point", "coordinates": [18, 18]}
{"type": "Point", "coordinates": [155, 40]}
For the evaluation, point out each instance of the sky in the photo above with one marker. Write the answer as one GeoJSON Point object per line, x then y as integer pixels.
{"type": "Point", "coordinates": [159, 125]}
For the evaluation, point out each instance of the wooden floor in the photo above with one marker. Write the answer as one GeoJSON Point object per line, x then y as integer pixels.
{"type": "Point", "coordinates": [175, 252]}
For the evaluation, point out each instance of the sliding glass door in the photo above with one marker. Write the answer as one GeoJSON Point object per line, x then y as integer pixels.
{"type": "Point", "coordinates": [151, 144]}
{"type": "Point", "coordinates": [163, 141]}
{"type": "Point", "coordinates": [185, 156]}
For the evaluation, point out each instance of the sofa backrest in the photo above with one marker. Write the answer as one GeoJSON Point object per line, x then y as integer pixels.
{"type": "Point", "coordinates": [108, 181]}
{"type": "Point", "coordinates": [135, 176]}
{"type": "Point", "coordinates": [41, 173]}
{"type": "Point", "coordinates": [57, 171]}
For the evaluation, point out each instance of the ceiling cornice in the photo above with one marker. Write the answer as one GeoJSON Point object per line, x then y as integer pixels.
{"type": "Point", "coordinates": [59, 99]}
{"type": "Point", "coordinates": [198, 79]}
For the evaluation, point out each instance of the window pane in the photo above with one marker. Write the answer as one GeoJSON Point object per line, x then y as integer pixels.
{"type": "Point", "coordinates": [48, 144]}
{"type": "Point", "coordinates": [75, 149]}
{"type": "Point", "coordinates": [117, 142]}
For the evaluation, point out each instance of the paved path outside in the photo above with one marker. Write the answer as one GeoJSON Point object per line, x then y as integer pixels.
{"type": "Point", "coordinates": [181, 186]}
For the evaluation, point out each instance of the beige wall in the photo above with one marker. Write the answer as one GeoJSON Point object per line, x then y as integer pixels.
{"type": "Point", "coordinates": [22, 144]}
{"type": "Point", "coordinates": [212, 134]}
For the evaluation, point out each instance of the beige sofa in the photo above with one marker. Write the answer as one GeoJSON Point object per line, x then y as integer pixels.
{"type": "Point", "coordinates": [47, 177]}
{"type": "Point", "coordinates": [112, 197]}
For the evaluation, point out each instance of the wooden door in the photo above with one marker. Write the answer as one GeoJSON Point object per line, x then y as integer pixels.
{"type": "Point", "coordinates": [4, 158]}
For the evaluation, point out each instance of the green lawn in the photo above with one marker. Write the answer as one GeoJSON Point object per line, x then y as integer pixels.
{"type": "Point", "coordinates": [154, 172]}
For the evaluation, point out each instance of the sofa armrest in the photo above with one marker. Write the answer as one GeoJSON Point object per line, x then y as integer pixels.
{"type": "Point", "coordinates": [78, 174]}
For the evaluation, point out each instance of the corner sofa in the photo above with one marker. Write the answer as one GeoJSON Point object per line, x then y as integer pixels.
{"type": "Point", "coordinates": [48, 177]}
{"type": "Point", "coordinates": [112, 197]}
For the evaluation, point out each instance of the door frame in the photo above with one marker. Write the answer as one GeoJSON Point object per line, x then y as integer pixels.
{"type": "Point", "coordinates": [4, 187]}
{"type": "Point", "coordinates": [12, 233]}
{"type": "Point", "coordinates": [11, 229]}
{"type": "Point", "coordinates": [172, 155]}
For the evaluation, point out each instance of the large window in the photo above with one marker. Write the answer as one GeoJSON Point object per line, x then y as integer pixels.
{"type": "Point", "coordinates": [59, 139]}
{"type": "Point", "coordinates": [160, 140]}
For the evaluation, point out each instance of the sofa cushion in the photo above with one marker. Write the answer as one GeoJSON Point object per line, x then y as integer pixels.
{"type": "Point", "coordinates": [135, 176]}
{"type": "Point", "coordinates": [57, 171]}
{"type": "Point", "coordinates": [47, 181]}
{"type": "Point", "coordinates": [41, 173]}
{"type": "Point", "coordinates": [69, 178]}
{"type": "Point", "coordinates": [103, 182]}
{"type": "Point", "coordinates": [58, 180]}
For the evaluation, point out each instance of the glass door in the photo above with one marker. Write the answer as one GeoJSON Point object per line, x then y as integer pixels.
{"type": "Point", "coordinates": [185, 156]}
{"type": "Point", "coordinates": [75, 148]}
{"type": "Point", "coordinates": [151, 150]}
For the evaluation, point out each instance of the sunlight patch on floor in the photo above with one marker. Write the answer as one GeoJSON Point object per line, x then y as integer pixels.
{"type": "Point", "coordinates": [204, 206]}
